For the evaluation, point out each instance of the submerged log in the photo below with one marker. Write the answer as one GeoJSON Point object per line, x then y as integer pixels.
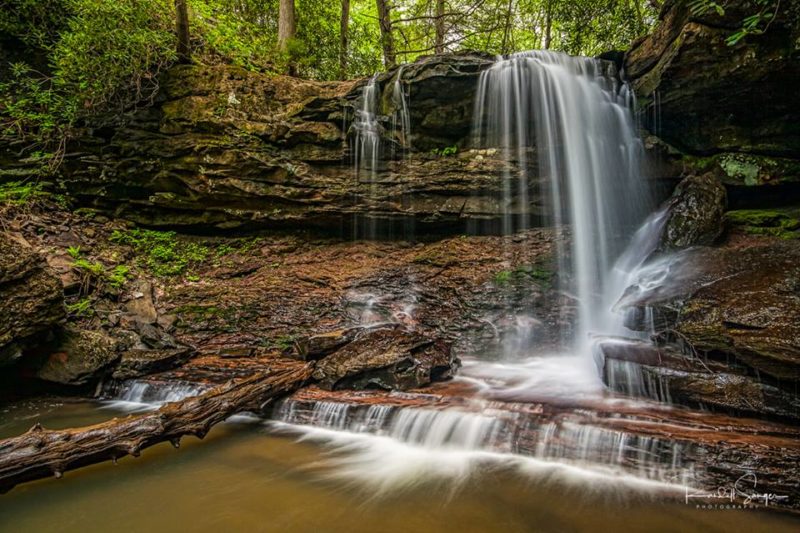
{"type": "Point", "coordinates": [40, 453]}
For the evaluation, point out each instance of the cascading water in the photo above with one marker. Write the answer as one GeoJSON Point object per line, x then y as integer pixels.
{"type": "Point", "coordinates": [401, 118]}
{"type": "Point", "coordinates": [574, 115]}
{"type": "Point", "coordinates": [366, 150]}
{"type": "Point", "coordinates": [565, 126]}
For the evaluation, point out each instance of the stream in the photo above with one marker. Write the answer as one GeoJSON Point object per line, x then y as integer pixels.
{"type": "Point", "coordinates": [249, 475]}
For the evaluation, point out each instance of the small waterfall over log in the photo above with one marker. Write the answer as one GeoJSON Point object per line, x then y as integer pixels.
{"type": "Point", "coordinates": [572, 119]}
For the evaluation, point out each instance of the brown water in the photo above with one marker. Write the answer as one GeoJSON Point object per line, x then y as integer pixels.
{"type": "Point", "coordinates": [244, 477]}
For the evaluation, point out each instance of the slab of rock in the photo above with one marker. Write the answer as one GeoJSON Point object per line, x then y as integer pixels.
{"type": "Point", "coordinates": [668, 375]}
{"type": "Point", "coordinates": [135, 363]}
{"type": "Point", "coordinates": [31, 298]}
{"type": "Point", "coordinates": [386, 358]}
{"type": "Point", "coordinates": [322, 344]}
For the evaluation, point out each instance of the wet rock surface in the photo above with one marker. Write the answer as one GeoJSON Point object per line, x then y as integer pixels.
{"type": "Point", "coordinates": [134, 363]}
{"type": "Point", "coordinates": [669, 375]}
{"type": "Point", "coordinates": [388, 358]}
{"type": "Point", "coordinates": [696, 213]}
{"type": "Point", "coordinates": [738, 305]}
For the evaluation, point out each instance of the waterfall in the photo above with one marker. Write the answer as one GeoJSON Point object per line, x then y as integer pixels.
{"type": "Point", "coordinates": [366, 154]}
{"type": "Point", "coordinates": [135, 394]}
{"type": "Point", "coordinates": [367, 131]}
{"type": "Point", "coordinates": [404, 442]}
{"type": "Point", "coordinates": [570, 121]}
{"type": "Point", "coordinates": [401, 119]}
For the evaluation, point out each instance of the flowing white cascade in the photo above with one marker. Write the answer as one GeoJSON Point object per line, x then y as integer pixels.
{"type": "Point", "coordinates": [134, 394]}
{"type": "Point", "coordinates": [401, 118]}
{"type": "Point", "coordinates": [569, 120]}
{"type": "Point", "coordinates": [404, 442]}
{"type": "Point", "coordinates": [366, 150]}
{"type": "Point", "coordinates": [368, 135]}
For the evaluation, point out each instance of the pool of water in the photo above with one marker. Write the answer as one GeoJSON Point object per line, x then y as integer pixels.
{"type": "Point", "coordinates": [248, 475]}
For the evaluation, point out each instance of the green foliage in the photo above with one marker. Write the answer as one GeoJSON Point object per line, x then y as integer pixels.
{"type": "Point", "coordinates": [19, 192]}
{"type": "Point", "coordinates": [446, 151]}
{"type": "Point", "coordinates": [162, 253]}
{"type": "Point", "coordinates": [536, 273]}
{"type": "Point", "coordinates": [118, 276]}
{"type": "Point", "coordinates": [242, 32]}
{"type": "Point", "coordinates": [80, 308]}
{"type": "Point", "coordinates": [97, 55]}
{"type": "Point", "coordinates": [91, 268]}
{"type": "Point", "coordinates": [94, 273]}
{"type": "Point", "coordinates": [756, 23]}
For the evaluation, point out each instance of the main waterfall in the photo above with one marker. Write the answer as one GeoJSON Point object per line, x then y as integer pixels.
{"type": "Point", "coordinates": [570, 120]}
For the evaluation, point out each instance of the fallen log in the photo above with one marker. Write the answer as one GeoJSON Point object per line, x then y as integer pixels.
{"type": "Point", "coordinates": [41, 453]}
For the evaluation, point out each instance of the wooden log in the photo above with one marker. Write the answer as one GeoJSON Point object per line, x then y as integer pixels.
{"type": "Point", "coordinates": [40, 453]}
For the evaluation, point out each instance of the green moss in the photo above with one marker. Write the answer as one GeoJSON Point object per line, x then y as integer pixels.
{"type": "Point", "coordinates": [742, 167]}
{"type": "Point", "coordinates": [206, 311]}
{"type": "Point", "coordinates": [19, 192]}
{"type": "Point", "coordinates": [536, 273]}
{"type": "Point", "coordinates": [439, 256]}
{"type": "Point", "coordinates": [783, 223]}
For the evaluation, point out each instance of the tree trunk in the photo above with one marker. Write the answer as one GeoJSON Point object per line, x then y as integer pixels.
{"type": "Point", "coordinates": [548, 26]}
{"type": "Point", "coordinates": [182, 29]}
{"type": "Point", "coordinates": [344, 24]}
{"type": "Point", "coordinates": [507, 30]}
{"type": "Point", "coordinates": [286, 24]}
{"type": "Point", "coordinates": [439, 25]}
{"type": "Point", "coordinates": [42, 453]}
{"type": "Point", "coordinates": [387, 39]}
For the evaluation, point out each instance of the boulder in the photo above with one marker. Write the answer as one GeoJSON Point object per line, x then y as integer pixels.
{"type": "Point", "coordinates": [389, 358]}
{"type": "Point", "coordinates": [82, 356]}
{"type": "Point", "coordinates": [696, 213]}
{"type": "Point", "coordinates": [32, 299]}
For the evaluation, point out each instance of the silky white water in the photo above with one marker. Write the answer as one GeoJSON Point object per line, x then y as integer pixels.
{"type": "Point", "coordinates": [569, 121]}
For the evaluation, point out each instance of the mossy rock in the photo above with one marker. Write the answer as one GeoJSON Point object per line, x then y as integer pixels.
{"type": "Point", "coordinates": [783, 223]}
{"type": "Point", "coordinates": [747, 170]}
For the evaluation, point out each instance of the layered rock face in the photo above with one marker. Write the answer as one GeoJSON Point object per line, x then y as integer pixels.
{"type": "Point", "coordinates": [224, 148]}
{"type": "Point", "coordinates": [709, 97]}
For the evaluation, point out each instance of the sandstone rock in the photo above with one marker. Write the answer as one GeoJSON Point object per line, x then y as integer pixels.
{"type": "Point", "coordinates": [386, 358]}
{"type": "Point", "coordinates": [82, 356]}
{"type": "Point", "coordinates": [282, 158]}
{"type": "Point", "coordinates": [706, 96]}
{"type": "Point", "coordinates": [31, 299]}
{"type": "Point", "coordinates": [317, 346]}
{"type": "Point", "coordinates": [696, 214]}
{"type": "Point", "coordinates": [739, 301]}
{"type": "Point", "coordinates": [135, 363]}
